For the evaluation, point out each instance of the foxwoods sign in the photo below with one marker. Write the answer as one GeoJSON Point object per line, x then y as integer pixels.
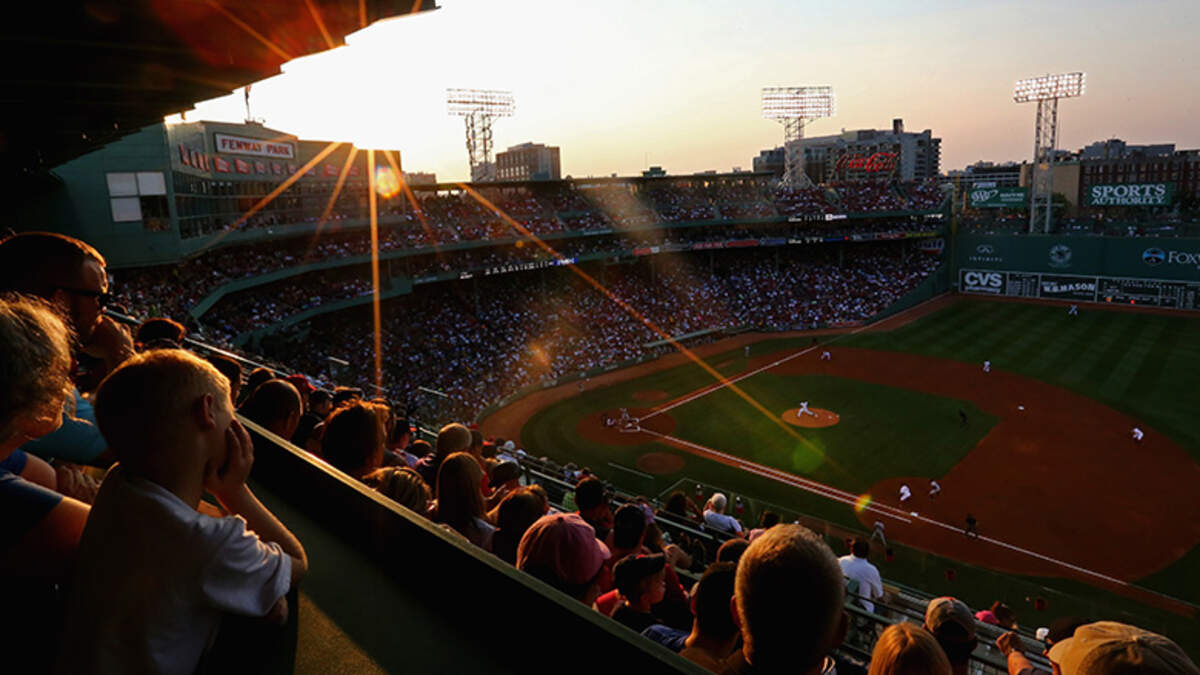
{"type": "Point", "coordinates": [1130, 194]}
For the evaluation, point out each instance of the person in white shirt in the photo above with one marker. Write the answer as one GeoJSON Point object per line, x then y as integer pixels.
{"type": "Point", "coordinates": [987, 366]}
{"type": "Point", "coordinates": [1138, 434]}
{"type": "Point", "coordinates": [857, 568]}
{"type": "Point", "coordinates": [905, 494]}
{"type": "Point", "coordinates": [935, 489]}
{"type": "Point", "coordinates": [714, 515]}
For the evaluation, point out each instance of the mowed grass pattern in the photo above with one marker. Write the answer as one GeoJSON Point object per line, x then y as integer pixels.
{"type": "Point", "coordinates": [1145, 365]}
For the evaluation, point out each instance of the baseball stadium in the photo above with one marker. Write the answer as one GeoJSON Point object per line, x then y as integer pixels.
{"type": "Point", "coordinates": [277, 404]}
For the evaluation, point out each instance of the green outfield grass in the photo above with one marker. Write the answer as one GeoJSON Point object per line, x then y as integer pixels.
{"type": "Point", "coordinates": [1145, 365]}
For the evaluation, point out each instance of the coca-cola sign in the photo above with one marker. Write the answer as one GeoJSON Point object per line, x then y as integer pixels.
{"type": "Point", "coordinates": [880, 161]}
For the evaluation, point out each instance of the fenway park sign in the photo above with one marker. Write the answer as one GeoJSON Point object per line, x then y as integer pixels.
{"type": "Point", "coordinates": [240, 145]}
{"type": "Point", "coordinates": [878, 162]}
{"type": "Point", "coordinates": [1130, 194]}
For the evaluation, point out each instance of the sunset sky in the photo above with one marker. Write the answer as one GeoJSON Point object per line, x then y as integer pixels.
{"type": "Point", "coordinates": [623, 84]}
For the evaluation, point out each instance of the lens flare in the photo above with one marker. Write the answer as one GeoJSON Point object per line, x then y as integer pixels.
{"type": "Point", "coordinates": [862, 503]}
{"type": "Point", "coordinates": [387, 183]}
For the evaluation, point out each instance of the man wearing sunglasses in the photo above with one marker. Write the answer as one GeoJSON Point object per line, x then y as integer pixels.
{"type": "Point", "coordinates": [70, 275]}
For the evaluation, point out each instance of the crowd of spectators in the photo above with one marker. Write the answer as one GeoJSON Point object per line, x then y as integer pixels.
{"type": "Point", "coordinates": [153, 572]}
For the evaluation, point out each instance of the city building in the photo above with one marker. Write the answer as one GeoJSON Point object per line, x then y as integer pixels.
{"type": "Point", "coordinates": [1007, 174]}
{"type": "Point", "coordinates": [529, 161]}
{"type": "Point", "coordinates": [772, 160]}
{"type": "Point", "coordinates": [420, 178]}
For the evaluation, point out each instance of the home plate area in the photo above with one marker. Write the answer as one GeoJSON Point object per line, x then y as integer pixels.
{"type": "Point", "coordinates": [813, 418]}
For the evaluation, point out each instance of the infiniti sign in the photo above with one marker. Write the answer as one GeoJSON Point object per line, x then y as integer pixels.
{"type": "Point", "coordinates": [985, 249]}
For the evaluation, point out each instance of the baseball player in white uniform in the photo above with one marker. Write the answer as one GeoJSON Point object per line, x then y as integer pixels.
{"type": "Point", "coordinates": [905, 494]}
{"type": "Point", "coordinates": [987, 366]}
{"type": "Point", "coordinates": [1073, 311]}
{"type": "Point", "coordinates": [804, 410]}
{"type": "Point", "coordinates": [826, 356]}
{"type": "Point", "coordinates": [934, 489]}
{"type": "Point", "coordinates": [746, 351]}
{"type": "Point", "coordinates": [1138, 435]}
{"type": "Point", "coordinates": [878, 532]}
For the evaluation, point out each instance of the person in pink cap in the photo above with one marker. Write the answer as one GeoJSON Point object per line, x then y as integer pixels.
{"type": "Point", "coordinates": [561, 549]}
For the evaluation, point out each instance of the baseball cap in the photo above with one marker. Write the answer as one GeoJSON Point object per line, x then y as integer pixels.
{"type": "Point", "coordinates": [301, 383]}
{"type": "Point", "coordinates": [566, 545]}
{"type": "Point", "coordinates": [1111, 648]}
{"type": "Point", "coordinates": [946, 610]}
{"type": "Point", "coordinates": [629, 571]}
{"type": "Point", "coordinates": [504, 472]}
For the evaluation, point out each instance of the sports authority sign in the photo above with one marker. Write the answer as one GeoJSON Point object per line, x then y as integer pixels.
{"type": "Point", "coordinates": [998, 197]}
{"type": "Point", "coordinates": [1130, 194]}
{"type": "Point", "coordinates": [240, 145]}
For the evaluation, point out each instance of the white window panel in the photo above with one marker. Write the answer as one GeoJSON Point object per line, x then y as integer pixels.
{"type": "Point", "coordinates": [126, 209]}
{"type": "Point", "coordinates": [151, 183]}
{"type": "Point", "coordinates": [122, 184]}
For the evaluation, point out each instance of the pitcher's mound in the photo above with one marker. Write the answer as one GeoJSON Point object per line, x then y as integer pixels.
{"type": "Point", "coordinates": [823, 418]}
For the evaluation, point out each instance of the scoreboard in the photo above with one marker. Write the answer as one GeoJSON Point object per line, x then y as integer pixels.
{"type": "Point", "coordinates": [1073, 288]}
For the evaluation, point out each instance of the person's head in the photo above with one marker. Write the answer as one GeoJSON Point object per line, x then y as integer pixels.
{"type": "Point", "coordinates": [718, 502]}
{"type": "Point", "coordinates": [907, 649]}
{"type": "Point", "coordinates": [344, 395]}
{"type": "Point", "coordinates": [353, 440]}
{"type": "Point", "coordinates": [453, 438]}
{"type": "Point", "coordinates": [676, 504]}
{"type": "Point", "coordinates": [276, 405]}
{"type": "Point", "coordinates": [35, 368]}
{"type": "Point", "coordinates": [1111, 648]}
{"type": "Point", "coordinates": [229, 367]}
{"type": "Point", "coordinates": [861, 548]}
{"type": "Point", "coordinates": [160, 333]}
{"type": "Point", "coordinates": [320, 402]}
{"type": "Point", "coordinates": [420, 448]}
{"type": "Point", "coordinates": [590, 495]}
{"type": "Point", "coordinates": [788, 600]}
{"type": "Point", "coordinates": [769, 519]}
{"type": "Point", "coordinates": [63, 270]}
{"type": "Point", "coordinates": [1004, 614]}
{"type": "Point", "coordinates": [1062, 628]}
{"type": "Point", "coordinates": [515, 514]}
{"type": "Point", "coordinates": [302, 385]}
{"type": "Point", "coordinates": [629, 524]}
{"type": "Point", "coordinates": [711, 602]}
{"type": "Point", "coordinates": [257, 377]}
{"type": "Point", "coordinates": [459, 499]}
{"type": "Point", "coordinates": [953, 626]}
{"type": "Point", "coordinates": [476, 443]}
{"type": "Point", "coordinates": [164, 414]}
{"type": "Point", "coordinates": [403, 486]}
{"type": "Point", "coordinates": [641, 579]}
{"type": "Point", "coordinates": [504, 474]}
{"type": "Point", "coordinates": [562, 550]}
{"type": "Point", "coordinates": [731, 550]}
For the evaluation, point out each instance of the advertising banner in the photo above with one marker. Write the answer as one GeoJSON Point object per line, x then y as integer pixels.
{"type": "Point", "coordinates": [240, 145]}
{"type": "Point", "coordinates": [1068, 287]}
{"type": "Point", "coordinates": [981, 281]}
{"type": "Point", "coordinates": [998, 197]}
{"type": "Point", "coordinates": [1130, 194]}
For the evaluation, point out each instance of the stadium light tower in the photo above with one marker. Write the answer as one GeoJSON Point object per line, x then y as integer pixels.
{"type": "Point", "coordinates": [1046, 90]}
{"type": "Point", "coordinates": [478, 107]}
{"type": "Point", "coordinates": [794, 107]}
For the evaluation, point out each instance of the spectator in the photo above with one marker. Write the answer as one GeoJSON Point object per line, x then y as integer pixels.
{"type": "Point", "coordinates": [858, 569]}
{"type": "Point", "coordinates": [788, 601]}
{"type": "Point", "coordinates": [70, 275]}
{"type": "Point", "coordinates": [714, 632]}
{"type": "Point", "coordinates": [154, 575]}
{"type": "Point", "coordinates": [1111, 648]}
{"type": "Point", "coordinates": [641, 582]}
{"type": "Point", "coordinates": [353, 439]}
{"type": "Point", "coordinates": [715, 518]}
{"type": "Point", "coordinates": [344, 395]}
{"type": "Point", "coordinates": [628, 532]}
{"type": "Point", "coordinates": [403, 486]}
{"type": "Point", "coordinates": [1010, 645]}
{"type": "Point", "coordinates": [41, 527]}
{"type": "Point", "coordinates": [276, 406]}
{"type": "Point", "coordinates": [320, 404]}
{"type": "Point", "coordinates": [513, 516]}
{"type": "Point", "coordinates": [504, 478]}
{"type": "Point", "coordinates": [159, 333]}
{"type": "Point", "coordinates": [682, 508]}
{"type": "Point", "coordinates": [731, 550]}
{"type": "Point", "coordinates": [562, 550]}
{"type": "Point", "coordinates": [676, 556]}
{"type": "Point", "coordinates": [951, 623]}
{"type": "Point", "coordinates": [906, 649]}
{"type": "Point", "coordinates": [257, 377]}
{"type": "Point", "coordinates": [451, 438]}
{"type": "Point", "coordinates": [591, 498]}
{"type": "Point", "coordinates": [231, 369]}
{"type": "Point", "coordinates": [459, 502]}
{"type": "Point", "coordinates": [769, 519]}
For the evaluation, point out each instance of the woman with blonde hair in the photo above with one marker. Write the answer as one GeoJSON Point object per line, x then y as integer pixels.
{"type": "Point", "coordinates": [460, 499]}
{"type": "Point", "coordinates": [41, 527]}
{"type": "Point", "coordinates": [908, 649]}
{"type": "Point", "coordinates": [403, 486]}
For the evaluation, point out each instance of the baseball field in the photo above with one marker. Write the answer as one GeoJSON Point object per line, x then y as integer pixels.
{"type": "Point", "coordinates": [1074, 515]}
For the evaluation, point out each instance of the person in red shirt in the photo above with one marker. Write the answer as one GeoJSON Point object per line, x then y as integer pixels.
{"type": "Point", "coordinates": [629, 527]}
